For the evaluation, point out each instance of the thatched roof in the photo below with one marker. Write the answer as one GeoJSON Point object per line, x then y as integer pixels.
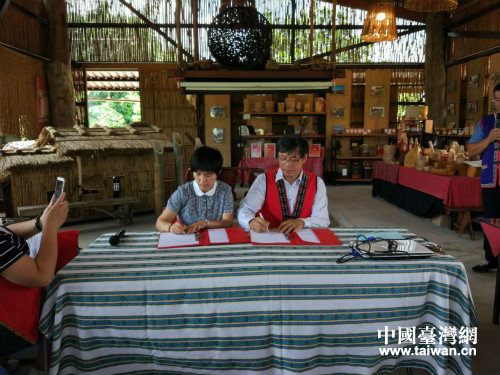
{"type": "Point", "coordinates": [132, 138]}
{"type": "Point", "coordinates": [31, 158]}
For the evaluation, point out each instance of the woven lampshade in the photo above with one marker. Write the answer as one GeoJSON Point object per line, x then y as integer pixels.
{"type": "Point", "coordinates": [380, 22]}
{"type": "Point", "coordinates": [431, 5]}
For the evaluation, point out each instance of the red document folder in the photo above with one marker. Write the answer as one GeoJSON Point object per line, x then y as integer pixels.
{"type": "Point", "coordinates": [235, 235]}
{"type": "Point", "coordinates": [325, 236]}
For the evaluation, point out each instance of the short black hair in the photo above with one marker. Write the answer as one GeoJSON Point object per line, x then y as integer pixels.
{"type": "Point", "coordinates": [291, 143]}
{"type": "Point", "coordinates": [496, 88]}
{"type": "Point", "coordinates": [206, 159]}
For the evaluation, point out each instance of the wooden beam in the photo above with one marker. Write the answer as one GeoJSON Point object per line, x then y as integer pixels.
{"type": "Point", "coordinates": [473, 56]}
{"type": "Point", "coordinates": [29, 13]}
{"type": "Point", "coordinates": [292, 44]}
{"type": "Point", "coordinates": [473, 16]}
{"type": "Point", "coordinates": [474, 34]}
{"type": "Point", "coordinates": [154, 27]}
{"type": "Point", "coordinates": [354, 46]}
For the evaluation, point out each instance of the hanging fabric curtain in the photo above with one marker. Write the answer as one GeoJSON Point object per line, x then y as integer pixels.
{"type": "Point", "coordinates": [380, 22]}
{"type": "Point", "coordinates": [431, 5]}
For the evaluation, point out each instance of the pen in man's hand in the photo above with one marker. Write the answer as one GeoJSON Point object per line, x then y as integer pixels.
{"type": "Point", "coordinates": [260, 214]}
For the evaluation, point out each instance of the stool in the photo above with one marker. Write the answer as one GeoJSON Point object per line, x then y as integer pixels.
{"type": "Point", "coordinates": [464, 219]}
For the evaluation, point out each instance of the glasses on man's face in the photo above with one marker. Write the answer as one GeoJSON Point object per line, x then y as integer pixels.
{"type": "Point", "coordinates": [289, 161]}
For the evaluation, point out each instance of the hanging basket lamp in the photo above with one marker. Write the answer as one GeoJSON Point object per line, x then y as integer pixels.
{"type": "Point", "coordinates": [380, 22]}
{"type": "Point", "coordinates": [431, 5]}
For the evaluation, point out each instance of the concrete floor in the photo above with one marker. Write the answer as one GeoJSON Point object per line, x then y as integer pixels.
{"type": "Point", "coordinates": [353, 205]}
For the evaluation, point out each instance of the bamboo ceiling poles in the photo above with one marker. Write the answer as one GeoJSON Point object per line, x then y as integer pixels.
{"type": "Point", "coordinates": [178, 8]}
{"type": "Point", "coordinates": [194, 8]}
{"type": "Point", "coordinates": [333, 56]}
{"type": "Point", "coordinates": [155, 28]}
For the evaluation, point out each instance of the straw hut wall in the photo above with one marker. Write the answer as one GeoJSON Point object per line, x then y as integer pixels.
{"type": "Point", "coordinates": [96, 157]}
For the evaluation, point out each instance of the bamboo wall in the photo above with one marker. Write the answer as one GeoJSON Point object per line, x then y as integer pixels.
{"type": "Point", "coordinates": [18, 99]}
{"type": "Point", "coordinates": [459, 47]}
{"type": "Point", "coordinates": [22, 31]}
{"type": "Point", "coordinates": [164, 105]}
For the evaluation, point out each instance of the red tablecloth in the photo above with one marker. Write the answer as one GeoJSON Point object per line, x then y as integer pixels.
{"type": "Point", "coordinates": [312, 165]}
{"type": "Point", "coordinates": [385, 171]}
{"type": "Point", "coordinates": [455, 191]}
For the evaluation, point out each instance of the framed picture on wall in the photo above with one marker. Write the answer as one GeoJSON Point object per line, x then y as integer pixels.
{"type": "Point", "coordinates": [218, 111]}
{"type": "Point", "coordinates": [474, 81]}
{"type": "Point", "coordinates": [218, 135]}
{"type": "Point", "coordinates": [495, 78]}
{"type": "Point", "coordinates": [452, 86]}
{"type": "Point", "coordinates": [377, 91]}
{"type": "Point", "coordinates": [337, 112]}
{"type": "Point", "coordinates": [377, 112]}
{"type": "Point", "coordinates": [338, 90]}
{"type": "Point", "coordinates": [472, 106]}
{"type": "Point", "coordinates": [450, 109]}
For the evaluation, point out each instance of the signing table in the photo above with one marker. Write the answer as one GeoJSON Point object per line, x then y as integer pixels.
{"type": "Point", "coordinates": [312, 165]}
{"type": "Point", "coordinates": [243, 309]}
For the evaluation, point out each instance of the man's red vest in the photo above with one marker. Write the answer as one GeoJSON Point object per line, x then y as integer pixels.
{"type": "Point", "coordinates": [272, 208]}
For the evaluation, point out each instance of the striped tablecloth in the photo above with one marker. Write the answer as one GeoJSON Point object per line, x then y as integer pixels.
{"type": "Point", "coordinates": [312, 165]}
{"type": "Point", "coordinates": [242, 309]}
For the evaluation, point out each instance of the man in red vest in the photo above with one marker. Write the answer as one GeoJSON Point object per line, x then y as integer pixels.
{"type": "Point", "coordinates": [287, 198]}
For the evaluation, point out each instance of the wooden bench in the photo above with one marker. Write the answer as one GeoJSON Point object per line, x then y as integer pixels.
{"type": "Point", "coordinates": [464, 219]}
{"type": "Point", "coordinates": [123, 208]}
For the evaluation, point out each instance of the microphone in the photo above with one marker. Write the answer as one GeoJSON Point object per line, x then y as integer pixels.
{"type": "Point", "coordinates": [115, 240]}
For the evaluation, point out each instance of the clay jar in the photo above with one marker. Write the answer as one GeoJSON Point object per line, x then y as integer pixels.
{"type": "Point", "coordinates": [319, 105]}
{"type": "Point", "coordinates": [281, 107]}
{"type": "Point", "coordinates": [270, 106]}
{"type": "Point", "coordinates": [259, 106]}
{"type": "Point", "coordinates": [247, 105]}
{"type": "Point", "coordinates": [290, 104]}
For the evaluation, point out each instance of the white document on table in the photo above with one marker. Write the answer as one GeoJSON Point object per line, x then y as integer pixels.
{"type": "Point", "coordinates": [170, 240]}
{"type": "Point", "coordinates": [268, 237]}
{"type": "Point", "coordinates": [307, 235]}
{"type": "Point", "coordinates": [218, 236]}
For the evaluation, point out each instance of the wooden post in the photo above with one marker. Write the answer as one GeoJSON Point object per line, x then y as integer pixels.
{"type": "Point", "coordinates": [311, 30]}
{"type": "Point", "coordinates": [292, 44]}
{"type": "Point", "coordinates": [178, 7]}
{"type": "Point", "coordinates": [179, 172]}
{"type": "Point", "coordinates": [435, 71]}
{"type": "Point", "coordinates": [334, 32]}
{"type": "Point", "coordinates": [159, 177]}
{"type": "Point", "coordinates": [194, 7]}
{"type": "Point", "coordinates": [80, 177]}
{"type": "Point", "coordinates": [58, 69]}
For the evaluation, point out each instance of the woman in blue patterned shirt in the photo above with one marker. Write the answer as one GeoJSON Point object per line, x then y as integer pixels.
{"type": "Point", "coordinates": [202, 203]}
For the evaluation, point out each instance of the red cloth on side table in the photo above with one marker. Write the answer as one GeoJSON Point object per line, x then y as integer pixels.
{"type": "Point", "coordinates": [385, 171]}
{"type": "Point", "coordinates": [312, 165]}
{"type": "Point", "coordinates": [20, 306]}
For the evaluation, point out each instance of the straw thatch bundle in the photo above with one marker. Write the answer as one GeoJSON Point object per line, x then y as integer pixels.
{"type": "Point", "coordinates": [133, 138]}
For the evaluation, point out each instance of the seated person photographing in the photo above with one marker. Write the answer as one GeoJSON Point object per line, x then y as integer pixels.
{"type": "Point", "coordinates": [15, 263]}
{"type": "Point", "coordinates": [287, 198]}
{"type": "Point", "coordinates": [202, 203]}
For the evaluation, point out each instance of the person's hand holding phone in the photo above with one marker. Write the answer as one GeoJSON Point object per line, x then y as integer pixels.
{"type": "Point", "coordinates": [55, 213]}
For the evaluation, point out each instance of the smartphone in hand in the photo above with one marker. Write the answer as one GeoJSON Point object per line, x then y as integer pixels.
{"type": "Point", "coordinates": [59, 189]}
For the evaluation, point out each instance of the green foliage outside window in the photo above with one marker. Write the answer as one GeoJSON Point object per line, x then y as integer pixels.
{"type": "Point", "coordinates": [122, 108]}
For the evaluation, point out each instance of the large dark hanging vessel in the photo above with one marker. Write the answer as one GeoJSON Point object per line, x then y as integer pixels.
{"type": "Point", "coordinates": [240, 37]}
